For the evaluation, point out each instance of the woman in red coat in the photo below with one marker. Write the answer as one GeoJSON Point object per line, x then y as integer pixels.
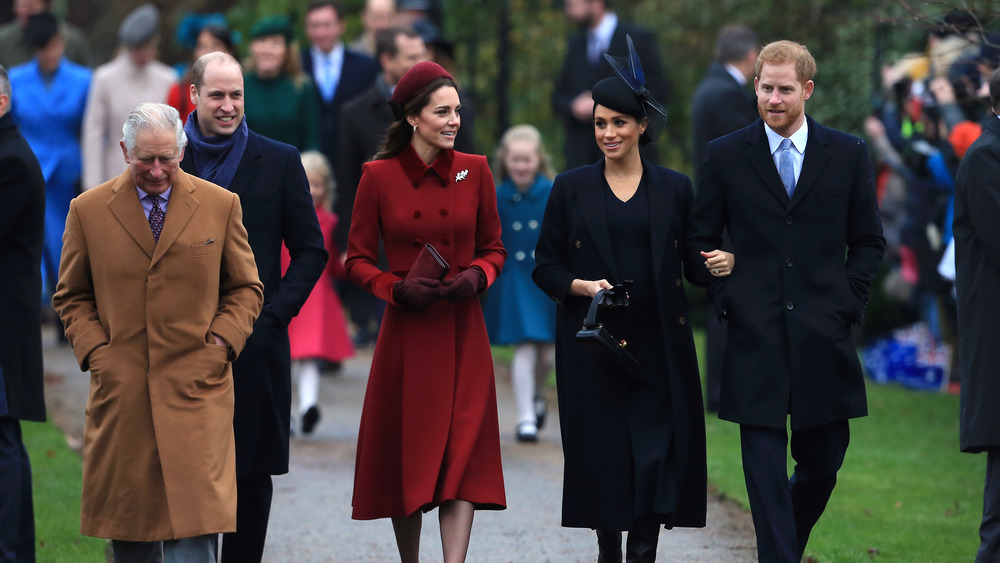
{"type": "Point", "coordinates": [429, 435]}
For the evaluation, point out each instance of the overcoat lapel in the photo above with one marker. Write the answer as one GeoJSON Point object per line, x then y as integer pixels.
{"type": "Point", "coordinates": [661, 202]}
{"type": "Point", "coordinates": [759, 154]}
{"type": "Point", "coordinates": [249, 169]}
{"type": "Point", "coordinates": [182, 206]}
{"type": "Point", "coordinates": [128, 211]}
{"type": "Point", "coordinates": [595, 217]}
{"type": "Point", "coordinates": [816, 159]}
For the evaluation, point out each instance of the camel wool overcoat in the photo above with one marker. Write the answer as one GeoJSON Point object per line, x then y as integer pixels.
{"type": "Point", "coordinates": [159, 459]}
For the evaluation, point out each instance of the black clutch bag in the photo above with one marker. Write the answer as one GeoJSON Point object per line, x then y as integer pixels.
{"type": "Point", "coordinates": [600, 343]}
{"type": "Point", "coordinates": [429, 264]}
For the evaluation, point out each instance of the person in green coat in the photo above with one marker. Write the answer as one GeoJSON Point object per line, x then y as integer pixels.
{"type": "Point", "coordinates": [281, 102]}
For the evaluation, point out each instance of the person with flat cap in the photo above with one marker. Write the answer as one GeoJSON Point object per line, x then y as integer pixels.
{"type": "Point", "coordinates": [429, 435]}
{"type": "Point", "coordinates": [633, 440]}
{"type": "Point", "coordinates": [133, 77]}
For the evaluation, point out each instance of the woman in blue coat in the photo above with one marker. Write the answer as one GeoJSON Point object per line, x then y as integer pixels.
{"type": "Point", "coordinates": [49, 97]}
{"type": "Point", "coordinates": [516, 311]}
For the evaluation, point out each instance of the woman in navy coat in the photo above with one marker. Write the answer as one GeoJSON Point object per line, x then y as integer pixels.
{"type": "Point", "coordinates": [634, 447]}
{"type": "Point", "coordinates": [429, 436]}
{"type": "Point", "coordinates": [50, 94]}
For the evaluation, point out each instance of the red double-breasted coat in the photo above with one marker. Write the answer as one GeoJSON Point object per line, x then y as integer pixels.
{"type": "Point", "coordinates": [429, 430]}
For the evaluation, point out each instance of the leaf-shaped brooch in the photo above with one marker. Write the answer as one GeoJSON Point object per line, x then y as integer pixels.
{"type": "Point", "coordinates": [461, 175]}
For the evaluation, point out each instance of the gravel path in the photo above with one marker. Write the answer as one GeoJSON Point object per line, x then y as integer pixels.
{"type": "Point", "coordinates": [311, 513]}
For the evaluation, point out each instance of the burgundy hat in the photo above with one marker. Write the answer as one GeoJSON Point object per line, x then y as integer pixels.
{"type": "Point", "coordinates": [420, 75]}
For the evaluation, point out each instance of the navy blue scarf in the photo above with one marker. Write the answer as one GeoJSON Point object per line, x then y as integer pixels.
{"type": "Point", "coordinates": [216, 158]}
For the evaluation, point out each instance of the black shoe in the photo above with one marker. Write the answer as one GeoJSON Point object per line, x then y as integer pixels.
{"type": "Point", "coordinates": [541, 410]}
{"type": "Point", "coordinates": [527, 432]}
{"type": "Point", "coordinates": [310, 419]}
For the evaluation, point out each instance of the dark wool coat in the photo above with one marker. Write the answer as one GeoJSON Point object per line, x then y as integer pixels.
{"type": "Point", "coordinates": [610, 431]}
{"type": "Point", "coordinates": [977, 261]}
{"type": "Point", "coordinates": [802, 273]}
{"type": "Point", "coordinates": [277, 208]}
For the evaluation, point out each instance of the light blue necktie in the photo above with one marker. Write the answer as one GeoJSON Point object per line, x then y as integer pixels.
{"type": "Point", "coordinates": [785, 168]}
{"type": "Point", "coordinates": [329, 84]}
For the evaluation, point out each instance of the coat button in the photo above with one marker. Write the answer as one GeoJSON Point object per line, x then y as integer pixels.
{"type": "Point", "coordinates": [516, 225]}
{"type": "Point", "coordinates": [417, 243]}
{"type": "Point", "coordinates": [789, 305]}
{"type": "Point", "coordinates": [443, 212]}
{"type": "Point", "coordinates": [577, 244]}
{"type": "Point", "coordinates": [675, 243]}
{"type": "Point", "coordinates": [416, 214]}
{"type": "Point", "coordinates": [678, 282]}
{"type": "Point", "coordinates": [682, 321]}
{"type": "Point", "coordinates": [416, 184]}
{"type": "Point", "coordinates": [445, 241]}
{"type": "Point", "coordinates": [788, 220]}
{"type": "Point", "coordinates": [790, 262]}
{"type": "Point", "coordinates": [520, 255]}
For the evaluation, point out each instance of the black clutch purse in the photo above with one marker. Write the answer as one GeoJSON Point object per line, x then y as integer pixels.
{"type": "Point", "coordinates": [600, 343]}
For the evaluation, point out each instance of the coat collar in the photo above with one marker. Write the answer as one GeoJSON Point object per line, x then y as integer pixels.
{"type": "Point", "coordinates": [508, 191]}
{"type": "Point", "coordinates": [817, 157]}
{"type": "Point", "coordinates": [415, 168]}
{"type": "Point", "coordinates": [127, 209]}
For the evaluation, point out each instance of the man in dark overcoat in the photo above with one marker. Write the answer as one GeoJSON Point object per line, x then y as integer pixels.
{"type": "Point", "coordinates": [277, 209]}
{"type": "Point", "coordinates": [600, 31]}
{"type": "Point", "coordinates": [721, 104]}
{"type": "Point", "coordinates": [977, 283]}
{"type": "Point", "coordinates": [799, 202]}
{"type": "Point", "coordinates": [22, 222]}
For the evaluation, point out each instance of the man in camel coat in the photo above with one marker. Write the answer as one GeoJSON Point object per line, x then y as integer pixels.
{"type": "Point", "coordinates": [158, 291]}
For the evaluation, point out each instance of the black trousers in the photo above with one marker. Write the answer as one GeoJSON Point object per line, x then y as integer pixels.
{"type": "Point", "coordinates": [17, 515]}
{"type": "Point", "coordinates": [640, 543]}
{"type": "Point", "coordinates": [785, 510]}
{"type": "Point", "coordinates": [989, 529]}
{"type": "Point", "coordinates": [253, 508]}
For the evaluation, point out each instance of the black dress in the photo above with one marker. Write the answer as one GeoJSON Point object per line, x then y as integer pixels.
{"type": "Point", "coordinates": [649, 411]}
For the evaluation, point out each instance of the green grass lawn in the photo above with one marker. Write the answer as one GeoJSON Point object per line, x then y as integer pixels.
{"type": "Point", "coordinates": [56, 478]}
{"type": "Point", "coordinates": [905, 493]}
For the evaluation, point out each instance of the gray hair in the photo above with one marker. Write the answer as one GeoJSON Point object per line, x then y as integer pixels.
{"type": "Point", "coordinates": [4, 82]}
{"type": "Point", "coordinates": [148, 115]}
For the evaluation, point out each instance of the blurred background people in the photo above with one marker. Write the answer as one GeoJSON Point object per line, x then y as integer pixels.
{"type": "Point", "coordinates": [318, 334]}
{"type": "Point", "coordinates": [202, 33]}
{"type": "Point", "coordinates": [429, 435]}
{"type": "Point", "coordinates": [599, 31]}
{"type": "Point", "coordinates": [722, 103]}
{"type": "Point", "coordinates": [363, 122]}
{"type": "Point", "coordinates": [14, 48]}
{"type": "Point", "coordinates": [134, 76]}
{"type": "Point", "coordinates": [338, 73]}
{"type": "Point", "coordinates": [378, 15]}
{"type": "Point", "coordinates": [516, 311]}
{"type": "Point", "coordinates": [281, 102]}
{"type": "Point", "coordinates": [51, 93]}
{"type": "Point", "coordinates": [22, 217]}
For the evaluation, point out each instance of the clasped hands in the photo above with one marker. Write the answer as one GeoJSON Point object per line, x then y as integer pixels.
{"type": "Point", "coordinates": [420, 293]}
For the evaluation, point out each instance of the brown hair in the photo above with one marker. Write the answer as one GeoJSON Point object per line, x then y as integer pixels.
{"type": "Point", "coordinates": [400, 132]}
{"type": "Point", "coordinates": [782, 52]}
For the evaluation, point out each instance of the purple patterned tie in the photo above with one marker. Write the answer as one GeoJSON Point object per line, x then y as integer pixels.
{"type": "Point", "coordinates": [156, 217]}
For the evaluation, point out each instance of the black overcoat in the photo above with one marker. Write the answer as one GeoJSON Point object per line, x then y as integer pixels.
{"type": "Point", "coordinates": [720, 105]}
{"type": "Point", "coordinates": [602, 412]}
{"type": "Point", "coordinates": [792, 295]}
{"type": "Point", "coordinates": [277, 208]}
{"type": "Point", "coordinates": [977, 261]}
{"type": "Point", "coordinates": [22, 223]}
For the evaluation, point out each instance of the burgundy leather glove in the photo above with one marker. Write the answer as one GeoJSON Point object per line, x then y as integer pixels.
{"type": "Point", "coordinates": [464, 285]}
{"type": "Point", "coordinates": [417, 293]}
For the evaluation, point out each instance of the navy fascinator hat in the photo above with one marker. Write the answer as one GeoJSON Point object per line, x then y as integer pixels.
{"type": "Point", "coordinates": [628, 94]}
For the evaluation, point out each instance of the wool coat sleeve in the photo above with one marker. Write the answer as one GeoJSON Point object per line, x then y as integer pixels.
{"type": "Point", "coordinates": [551, 272]}
{"type": "Point", "coordinates": [241, 294]}
{"type": "Point", "coordinates": [362, 243]}
{"type": "Point", "coordinates": [74, 298]}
